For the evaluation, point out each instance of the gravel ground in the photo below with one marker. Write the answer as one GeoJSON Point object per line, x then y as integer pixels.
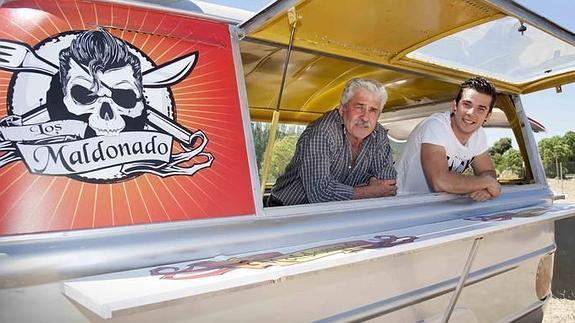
{"type": "Point", "coordinates": [567, 187]}
{"type": "Point", "coordinates": [560, 310]}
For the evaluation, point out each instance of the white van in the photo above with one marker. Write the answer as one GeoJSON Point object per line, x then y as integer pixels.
{"type": "Point", "coordinates": [131, 190]}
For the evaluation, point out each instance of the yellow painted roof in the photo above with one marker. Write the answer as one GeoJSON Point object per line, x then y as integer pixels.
{"type": "Point", "coordinates": [336, 40]}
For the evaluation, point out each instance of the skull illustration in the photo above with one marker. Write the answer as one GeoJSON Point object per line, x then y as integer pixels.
{"type": "Point", "coordinates": [106, 96]}
{"type": "Point", "coordinates": [101, 81]}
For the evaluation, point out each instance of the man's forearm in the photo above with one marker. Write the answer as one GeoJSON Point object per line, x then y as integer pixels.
{"type": "Point", "coordinates": [375, 188]}
{"type": "Point", "coordinates": [490, 173]}
{"type": "Point", "coordinates": [327, 191]}
{"type": "Point", "coordinates": [461, 184]}
{"type": "Point", "coordinates": [363, 192]}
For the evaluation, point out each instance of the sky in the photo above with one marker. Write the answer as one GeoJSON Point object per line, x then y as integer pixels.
{"type": "Point", "coordinates": [556, 111]}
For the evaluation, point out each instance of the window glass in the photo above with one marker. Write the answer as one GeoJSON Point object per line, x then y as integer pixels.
{"type": "Point", "coordinates": [499, 50]}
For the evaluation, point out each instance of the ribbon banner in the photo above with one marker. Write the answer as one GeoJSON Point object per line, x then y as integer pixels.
{"type": "Point", "coordinates": [57, 148]}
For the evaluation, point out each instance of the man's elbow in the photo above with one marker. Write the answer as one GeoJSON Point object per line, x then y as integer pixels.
{"type": "Point", "coordinates": [328, 193]}
{"type": "Point", "coordinates": [436, 184]}
{"type": "Point", "coordinates": [319, 195]}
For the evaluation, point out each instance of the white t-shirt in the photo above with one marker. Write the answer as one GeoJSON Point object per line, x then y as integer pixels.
{"type": "Point", "coordinates": [436, 129]}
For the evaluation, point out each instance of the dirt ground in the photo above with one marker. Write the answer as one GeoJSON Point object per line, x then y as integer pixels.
{"type": "Point", "coordinates": [560, 309]}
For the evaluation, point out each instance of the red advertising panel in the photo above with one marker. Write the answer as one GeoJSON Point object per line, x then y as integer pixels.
{"type": "Point", "coordinates": [113, 115]}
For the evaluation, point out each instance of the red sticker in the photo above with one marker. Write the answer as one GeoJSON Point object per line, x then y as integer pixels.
{"type": "Point", "coordinates": [113, 118]}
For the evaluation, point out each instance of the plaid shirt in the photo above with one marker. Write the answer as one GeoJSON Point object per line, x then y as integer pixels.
{"type": "Point", "coordinates": [321, 169]}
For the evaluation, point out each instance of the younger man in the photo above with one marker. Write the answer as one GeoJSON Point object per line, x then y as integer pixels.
{"type": "Point", "coordinates": [442, 146]}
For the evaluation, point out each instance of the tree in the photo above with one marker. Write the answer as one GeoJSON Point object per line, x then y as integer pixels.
{"type": "Point", "coordinates": [512, 161]}
{"type": "Point", "coordinates": [260, 133]}
{"type": "Point", "coordinates": [500, 146]}
{"type": "Point", "coordinates": [554, 150]}
{"type": "Point", "coordinates": [569, 139]}
{"type": "Point", "coordinates": [284, 150]}
{"type": "Point", "coordinates": [497, 150]}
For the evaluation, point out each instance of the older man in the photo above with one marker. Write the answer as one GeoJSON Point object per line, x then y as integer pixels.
{"type": "Point", "coordinates": [343, 155]}
{"type": "Point", "coordinates": [442, 146]}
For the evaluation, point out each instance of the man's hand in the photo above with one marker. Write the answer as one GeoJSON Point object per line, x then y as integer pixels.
{"type": "Point", "coordinates": [383, 187]}
{"type": "Point", "coordinates": [480, 187]}
{"type": "Point", "coordinates": [493, 186]}
{"type": "Point", "coordinates": [492, 190]}
{"type": "Point", "coordinates": [480, 196]}
{"type": "Point", "coordinates": [375, 188]}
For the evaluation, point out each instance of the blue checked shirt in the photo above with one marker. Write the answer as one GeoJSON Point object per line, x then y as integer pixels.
{"type": "Point", "coordinates": [321, 169]}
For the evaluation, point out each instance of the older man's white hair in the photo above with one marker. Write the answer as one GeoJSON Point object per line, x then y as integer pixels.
{"type": "Point", "coordinates": [370, 85]}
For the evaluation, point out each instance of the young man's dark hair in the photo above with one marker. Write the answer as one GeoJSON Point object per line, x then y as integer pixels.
{"type": "Point", "coordinates": [480, 85]}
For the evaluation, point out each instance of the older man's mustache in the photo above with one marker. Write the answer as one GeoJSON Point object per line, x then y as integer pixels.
{"type": "Point", "coordinates": [361, 123]}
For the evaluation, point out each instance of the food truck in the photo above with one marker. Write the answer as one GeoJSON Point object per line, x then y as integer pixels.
{"type": "Point", "coordinates": [130, 187]}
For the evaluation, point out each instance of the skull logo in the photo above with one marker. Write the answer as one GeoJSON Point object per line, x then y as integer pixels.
{"type": "Point", "coordinates": [101, 79]}
{"type": "Point", "coordinates": [106, 97]}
